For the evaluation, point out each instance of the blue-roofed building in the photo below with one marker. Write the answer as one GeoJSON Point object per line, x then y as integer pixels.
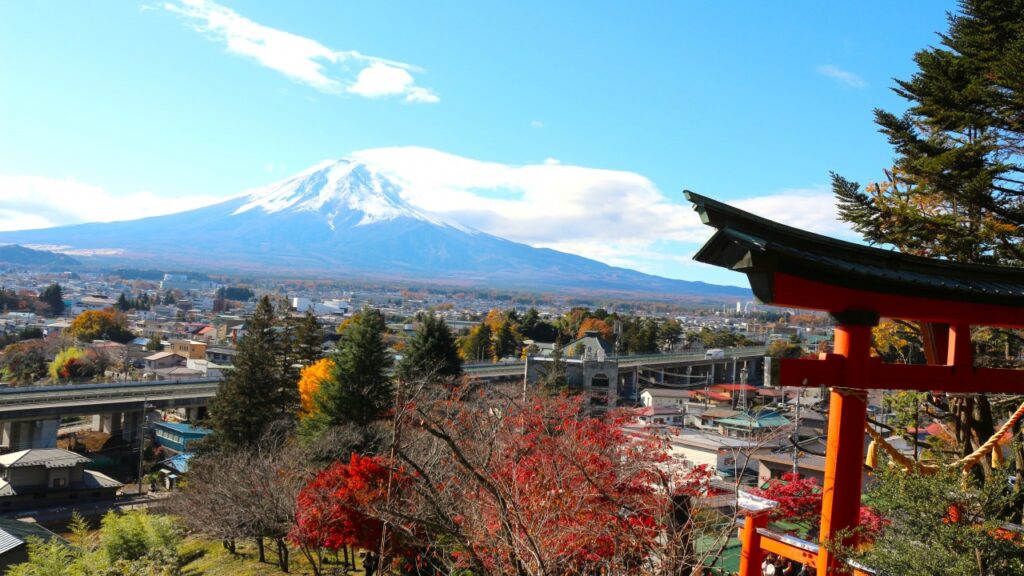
{"type": "Point", "coordinates": [173, 469]}
{"type": "Point", "coordinates": [177, 437]}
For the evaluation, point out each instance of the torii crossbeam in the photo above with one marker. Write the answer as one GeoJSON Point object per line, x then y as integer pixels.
{"type": "Point", "coordinates": [857, 285]}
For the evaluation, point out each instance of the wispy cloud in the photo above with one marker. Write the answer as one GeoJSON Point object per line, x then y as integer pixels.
{"type": "Point", "coordinates": [844, 77]}
{"type": "Point", "coordinates": [617, 217]}
{"type": "Point", "coordinates": [536, 124]}
{"type": "Point", "coordinates": [303, 59]}
{"type": "Point", "coordinates": [41, 202]}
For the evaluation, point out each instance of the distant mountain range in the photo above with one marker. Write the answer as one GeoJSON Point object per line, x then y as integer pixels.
{"type": "Point", "coordinates": [345, 218]}
{"type": "Point", "coordinates": [22, 256]}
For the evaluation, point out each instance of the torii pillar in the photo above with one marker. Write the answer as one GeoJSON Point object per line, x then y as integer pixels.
{"type": "Point", "coordinates": [847, 413]}
{"type": "Point", "coordinates": [857, 284]}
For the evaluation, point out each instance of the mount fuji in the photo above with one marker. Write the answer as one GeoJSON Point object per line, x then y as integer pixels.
{"type": "Point", "coordinates": [346, 218]}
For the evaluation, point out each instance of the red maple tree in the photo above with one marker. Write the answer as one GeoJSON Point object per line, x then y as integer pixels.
{"type": "Point", "coordinates": [800, 500]}
{"type": "Point", "coordinates": [333, 509]}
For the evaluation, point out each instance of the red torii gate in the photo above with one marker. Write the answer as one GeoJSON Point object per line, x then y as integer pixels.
{"type": "Point", "coordinates": [857, 285]}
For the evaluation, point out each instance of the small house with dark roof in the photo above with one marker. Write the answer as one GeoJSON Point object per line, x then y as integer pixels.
{"type": "Point", "coordinates": [50, 476]}
{"type": "Point", "coordinates": [590, 347]}
{"type": "Point", "coordinates": [14, 536]}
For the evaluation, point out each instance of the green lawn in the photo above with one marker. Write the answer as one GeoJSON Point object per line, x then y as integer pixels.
{"type": "Point", "coordinates": [209, 558]}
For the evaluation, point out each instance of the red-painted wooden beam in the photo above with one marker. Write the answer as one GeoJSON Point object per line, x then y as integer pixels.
{"type": "Point", "coordinates": [803, 293]}
{"type": "Point", "coordinates": [828, 371]}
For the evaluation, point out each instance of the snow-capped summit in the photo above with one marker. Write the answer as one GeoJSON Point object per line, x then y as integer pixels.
{"type": "Point", "coordinates": [346, 190]}
{"type": "Point", "coordinates": [344, 218]}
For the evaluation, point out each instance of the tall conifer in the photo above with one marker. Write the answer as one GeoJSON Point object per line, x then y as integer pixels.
{"type": "Point", "coordinates": [956, 190]}
{"type": "Point", "coordinates": [255, 392]}
{"type": "Point", "coordinates": [360, 389]}
{"type": "Point", "coordinates": [432, 352]}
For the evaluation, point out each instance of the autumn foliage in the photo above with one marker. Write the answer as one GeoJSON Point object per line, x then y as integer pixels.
{"type": "Point", "coordinates": [800, 500]}
{"type": "Point", "coordinates": [106, 324]}
{"type": "Point", "coordinates": [602, 327]}
{"type": "Point", "coordinates": [495, 485]}
{"type": "Point", "coordinates": [333, 509]}
{"type": "Point", "coordinates": [310, 380]}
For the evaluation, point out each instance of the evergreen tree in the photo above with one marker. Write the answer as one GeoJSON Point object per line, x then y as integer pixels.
{"type": "Point", "coordinates": [957, 188]}
{"type": "Point", "coordinates": [504, 341]}
{"type": "Point", "coordinates": [360, 389]}
{"type": "Point", "coordinates": [253, 394]}
{"type": "Point", "coordinates": [309, 340]}
{"type": "Point", "coordinates": [477, 345]}
{"type": "Point", "coordinates": [431, 353]}
{"type": "Point", "coordinates": [169, 297]}
{"type": "Point", "coordinates": [53, 296]}
{"type": "Point", "coordinates": [554, 378]}
{"type": "Point", "coordinates": [155, 344]}
{"type": "Point", "coordinates": [122, 303]}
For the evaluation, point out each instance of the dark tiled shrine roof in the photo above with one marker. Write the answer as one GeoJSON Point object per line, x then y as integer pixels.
{"type": "Point", "coordinates": [759, 248]}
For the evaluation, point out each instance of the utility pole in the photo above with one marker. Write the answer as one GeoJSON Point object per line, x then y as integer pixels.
{"type": "Point", "coordinates": [142, 438]}
{"type": "Point", "coordinates": [796, 433]}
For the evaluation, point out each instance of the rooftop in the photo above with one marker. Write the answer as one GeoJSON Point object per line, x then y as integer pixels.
{"type": "Point", "coordinates": [49, 457]}
{"type": "Point", "coordinates": [792, 267]}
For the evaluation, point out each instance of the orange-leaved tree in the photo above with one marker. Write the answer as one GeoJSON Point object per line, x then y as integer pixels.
{"type": "Point", "coordinates": [310, 380]}
{"type": "Point", "coordinates": [597, 324]}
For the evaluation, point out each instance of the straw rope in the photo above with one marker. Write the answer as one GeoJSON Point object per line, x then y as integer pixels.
{"type": "Point", "coordinates": [966, 463]}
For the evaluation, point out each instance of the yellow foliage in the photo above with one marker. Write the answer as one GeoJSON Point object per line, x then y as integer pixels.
{"type": "Point", "coordinates": [890, 338]}
{"type": "Point", "coordinates": [310, 380]}
{"type": "Point", "coordinates": [495, 318]}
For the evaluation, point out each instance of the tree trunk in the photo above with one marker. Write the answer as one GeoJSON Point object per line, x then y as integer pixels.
{"type": "Point", "coordinates": [229, 545]}
{"type": "Point", "coordinates": [259, 546]}
{"type": "Point", "coordinates": [282, 555]}
{"type": "Point", "coordinates": [344, 550]}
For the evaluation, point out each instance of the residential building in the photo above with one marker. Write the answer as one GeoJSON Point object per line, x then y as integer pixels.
{"type": "Point", "coordinates": [177, 436]}
{"type": "Point", "coordinates": [50, 476]}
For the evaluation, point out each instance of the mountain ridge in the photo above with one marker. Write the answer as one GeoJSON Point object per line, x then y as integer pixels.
{"type": "Point", "coordinates": [344, 217]}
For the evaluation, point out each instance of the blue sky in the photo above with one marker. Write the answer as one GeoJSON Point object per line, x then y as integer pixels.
{"type": "Point", "coordinates": [593, 114]}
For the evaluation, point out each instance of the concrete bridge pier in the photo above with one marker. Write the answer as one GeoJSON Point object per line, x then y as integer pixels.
{"type": "Point", "coordinates": [23, 434]}
{"type": "Point", "coordinates": [109, 423]}
{"type": "Point", "coordinates": [195, 413]}
{"type": "Point", "coordinates": [130, 425]}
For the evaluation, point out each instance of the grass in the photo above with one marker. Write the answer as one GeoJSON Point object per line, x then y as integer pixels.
{"type": "Point", "coordinates": [209, 558]}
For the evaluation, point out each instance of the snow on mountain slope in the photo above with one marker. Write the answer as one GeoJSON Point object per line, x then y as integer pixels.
{"type": "Point", "coordinates": [346, 218]}
{"type": "Point", "coordinates": [336, 187]}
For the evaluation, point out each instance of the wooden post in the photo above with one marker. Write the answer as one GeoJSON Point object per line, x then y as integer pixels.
{"type": "Point", "coordinates": [751, 554]}
{"type": "Point", "coordinates": [844, 454]}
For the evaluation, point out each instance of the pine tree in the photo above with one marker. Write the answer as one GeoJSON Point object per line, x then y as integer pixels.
{"type": "Point", "coordinates": [477, 345]}
{"type": "Point", "coordinates": [957, 188]}
{"type": "Point", "coordinates": [53, 296]}
{"type": "Point", "coordinates": [360, 389]}
{"type": "Point", "coordinates": [309, 340]}
{"type": "Point", "coordinates": [504, 341]}
{"type": "Point", "coordinates": [431, 353]}
{"type": "Point", "coordinates": [254, 393]}
{"type": "Point", "coordinates": [554, 378]}
{"type": "Point", "coordinates": [122, 303]}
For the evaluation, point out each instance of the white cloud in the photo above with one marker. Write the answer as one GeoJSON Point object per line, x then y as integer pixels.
{"type": "Point", "coordinates": [379, 79]}
{"type": "Point", "coordinates": [536, 124]}
{"type": "Point", "coordinates": [811, 209]}
{"type": "Point", "coordinates": [617, 217]}
{"type": "Point", "coordinates": [302, 59]}
{"type": "Point", "coordinates": [844, 77]}
{"type": "Point", "coordinates": [41, 202]}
